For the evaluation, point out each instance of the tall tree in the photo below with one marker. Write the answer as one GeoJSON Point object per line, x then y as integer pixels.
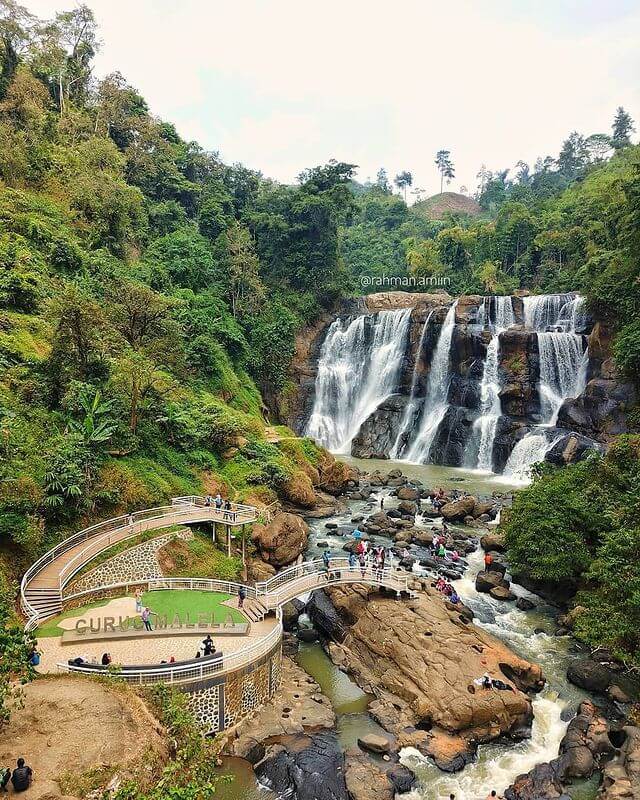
{"type": "Point", "coordinates": [622, 129]}
{"type": "Point", "coordinates": [402, 180]}
{"type": "Point", "coordinates": [382, 181]}
{"type": "Point", "coordinates": [574, 155]}
{"type": "Point", "coordinates": [445, 166]}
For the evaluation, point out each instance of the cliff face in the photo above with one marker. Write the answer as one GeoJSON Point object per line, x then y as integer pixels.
{"type": "Point", "coordinates": [590, 420]}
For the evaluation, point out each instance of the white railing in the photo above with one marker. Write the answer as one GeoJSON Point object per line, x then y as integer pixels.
{"type": "Point", "coordinates": [158, 584]}
{"type": "Point", "coordinates": [314, 574]}
{"type": "Point", "coordinates": [187, 673]}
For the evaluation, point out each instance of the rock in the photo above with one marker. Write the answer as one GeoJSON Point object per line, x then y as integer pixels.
{"type": "Point", "coordinates": [282, 540]}
{"type": "Point", "coordinates": [524, 604]}
{"type": "Point", "coordinates": [403, 651]}
{"type": "Point", "coordinates": [374, 743]}
{"type": "Point", "coordinates": [407, 507]}
{"type": "Point", "coordinates": [622, 774]}
{"type": "Point", "coordinates": [501, 593]}
{"type": "Point", "coordinates": [290, 613]}
{"type": "Point", "coordinates": [401, 778]}
{"type": "Point", "coordinates": [589, 675]}
{"type": "Point", "coordinates": [407, 493]}
{"type": "Point", "coordinates": [484, 508]}
{"type": "Point", "coordinates": [305, 767]}
{"type": "Point", "coordinates": [336, 477]}
{"type": "Point", "coordinates": [365, 779]}
{"type": "Point", "coordinates": [541, 783]}
{"type": "Point", "coordinates": [486, 581]}
{"type": "Point", "coordinates": [325, 617]}
{"type": "Point", "coordinates": [617, 694]}
{"type": "Point", "coordinates": [497, 566]}
{"type": "Point", "coordinates": [493, 542]}
{"type": "Point", "coordinates": [299, 490]}
{"type": "Point", "coordinates": [458, 509]}
{"type": "Point", "coordinates": [250, 749]}
{"type": "Point", "coordinates": [568, 620]}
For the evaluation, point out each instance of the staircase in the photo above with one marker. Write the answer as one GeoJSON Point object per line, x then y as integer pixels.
{"type": "Point", "coordinates": [254, 609]}
{"type": "Point", "coordinates": [45, 602]}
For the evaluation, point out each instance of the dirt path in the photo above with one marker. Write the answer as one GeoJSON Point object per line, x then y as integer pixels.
{"type": "Point", "coordinates": [71, 725]}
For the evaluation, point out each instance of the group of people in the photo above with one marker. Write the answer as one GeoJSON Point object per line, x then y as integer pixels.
{"type": "Point", "coordinates": [447, 590]}
{"type": "Point", "coordinates": [487, 682]}
{"type": "Point", "coordinates": [226, 506]}
{"type": "Point", "coordinates": [438, 545]}
{"type": "Point", "coordinates": [20, 777]}
{"type": "Point", "coordinates": [364, 557]}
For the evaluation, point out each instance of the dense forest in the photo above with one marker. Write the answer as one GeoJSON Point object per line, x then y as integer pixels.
{"type": "Point", "coordinates": [150, 295]}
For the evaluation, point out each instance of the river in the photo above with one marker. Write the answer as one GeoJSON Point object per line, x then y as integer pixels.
{"type": "Point", "coordinates": [530, 634]}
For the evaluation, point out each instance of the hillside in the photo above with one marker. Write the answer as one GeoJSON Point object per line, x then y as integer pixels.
{"type": "Point", "coordinates": [439, 205]}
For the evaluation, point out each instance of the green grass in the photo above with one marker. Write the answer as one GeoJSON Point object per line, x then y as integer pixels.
{"type": "Point", "coordinates": [167, 602]}
{"type": "Point", "coordinates": [172, 602]}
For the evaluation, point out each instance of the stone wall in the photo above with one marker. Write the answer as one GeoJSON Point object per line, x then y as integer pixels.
{"type": "Point", "coordinates": [221, 702]}
{"type": "Point", "coordinates": [139, 563]}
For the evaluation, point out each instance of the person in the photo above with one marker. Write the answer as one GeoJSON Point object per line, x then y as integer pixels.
{"type": "Point", "coordinates": [146, 613]}
{"type": "Point", "coordinates": [208, 645]}
{"type": "Point", "coordinates": [353, 560]}
{"type": "Point", "coordinates": [492, 795]}
{"type": "Point", "coordinates": [360, 549]}
{"type": "Point", "coordinates": [106, 659]}
{"type": "Point", "coordinates": [488, 560]}
{"type": "Point", "coordinates": [5, 775]}
{"type": "Point", "coordinates": [357, 533]}
{"type": "Point", "coordinates": [405, 553]}
{"type": "Point", "coordinates": [381, 502]}
{"type": "Point", "coordinates": [34, 658]}
{"type": "Point", "coordinates": [442, 553]}
{"type": "Point", "coordinates": [197, 654]}
{"type": "Point", "coordinates": [486, 682]}
{"type": "Point", "coordinates": [455, 555]}
{"type": "Point", "coordinates": [363, 563]}
{"type": "Point", "coordinates": [227, 509]}
{"type": "Point", "coordinates": [138, 596]}
{"type": "Point", "coordinates": [172, 660]}
{"type": "Point", "coordinates": [22, 777]}
{"type": "Point", "coordinates": [207, 500]}
{"type": "Point", "coordinates": [326, 559]}
{"type": "Point", "coordinates": [218, 501]}
{"type": "Point", "coordinates": [455, 599]}
{"type": "Point", "coordinates": [242, 595]}
{"type": "Point", "coordinates": [452, 797]}
{"type": "Point", "coordinates": [130, 521]}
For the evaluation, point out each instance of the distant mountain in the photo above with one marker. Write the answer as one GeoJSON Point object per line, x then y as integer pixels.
{"type": "Point", "coordinates": [448, 202]}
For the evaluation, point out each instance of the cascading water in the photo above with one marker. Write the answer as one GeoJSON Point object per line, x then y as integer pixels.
{"type": "Point", "coordinates": [358, 369]}
{"type": "Point", "coordinates": [563, 370]}
{"type": "Point", "coordinates": [408, 417]}
{"type": "Point", "coordinates": [480, 448]}
{"type": "Point", "coordinates": [435, 403]}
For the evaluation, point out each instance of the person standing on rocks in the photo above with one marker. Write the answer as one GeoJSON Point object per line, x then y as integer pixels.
{"type": "Point", "coordinates": [363, 563]}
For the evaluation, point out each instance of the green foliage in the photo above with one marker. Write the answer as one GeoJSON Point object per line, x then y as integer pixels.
{"type": "Point", "coordinates": [582, 524]}
{"type": "Point", "coordinates": [15, 649]}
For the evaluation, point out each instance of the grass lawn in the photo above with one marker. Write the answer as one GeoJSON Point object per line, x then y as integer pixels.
{"type": "Point", "coordinates": [171, 602]}
{"type": "Point", "coordinates": [167, 602]}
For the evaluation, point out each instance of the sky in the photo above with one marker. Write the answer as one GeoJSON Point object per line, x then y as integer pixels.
{"type": "Point", "coordinates": [283, 85]}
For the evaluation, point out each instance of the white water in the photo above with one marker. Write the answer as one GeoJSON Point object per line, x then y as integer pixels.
{"type": "Point", "coordinates": [480, 447]}
{"type": "Point", "coordinates": [563, 372]}
{"type": "Point", "coordinates": [409, 411]}
{"type": "Point", "coordinates": [358, 368]}
{"type": "Point", "coordinates": [435, 402]}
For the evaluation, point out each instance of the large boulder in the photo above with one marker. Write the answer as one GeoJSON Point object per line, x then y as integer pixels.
{"type": "Point", "coordinates": [305, 767]}
{"type": "Point", "coordinates": [403, 652]}
{"type": "Point", "coordinates": [282, 540]}
{"type": "Point", "coordinates": [622, 774]}
{"type": "Point", "coordinates": [336, 477]}
{"type": "Point", "coordinates": [298, 489]}
{"type": "Point", "coordinates": [488, 580]}
{"type": "Point", "coordinates": [493, 541]}
{"type": "Point", "coordinates": [589, 675]}
{"type": "Point", "coordinates": [325, 617]}
{"type": "Point", "coordinates": [458, 509]}
{"type": "Point", "coordinates": [408, 493]}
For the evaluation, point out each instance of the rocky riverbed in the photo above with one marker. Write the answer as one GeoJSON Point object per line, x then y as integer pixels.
{"type": "Point", "coordinates": [419, 658]}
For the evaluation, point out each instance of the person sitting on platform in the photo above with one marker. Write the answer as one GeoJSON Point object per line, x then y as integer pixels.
{"type": "Point", "coordinates": [106, 659]}
{"type": "Point", "coordinates": [208, 645]}
{"type": "Point", "coordinates": [22, 777]}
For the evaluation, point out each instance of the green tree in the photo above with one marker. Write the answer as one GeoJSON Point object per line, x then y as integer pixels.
{"type": "Point", "coordinates": [402, 181]}
{"type": "Point", "coordinates": [445, 166]}
{"type": "Point", "coordinates": [622, 129]}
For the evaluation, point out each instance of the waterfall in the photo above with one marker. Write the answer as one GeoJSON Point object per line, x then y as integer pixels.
{"type": "Point", "coordinates": [435, 402]}
{"type": "Point", "coordinates": [358, 368]}
{"type": "Point", "coordinates": [408, 417]}
{"type": "Point", "coordinates": [563, 370]}
{"type": "Point", "coordinates": [484, 428]}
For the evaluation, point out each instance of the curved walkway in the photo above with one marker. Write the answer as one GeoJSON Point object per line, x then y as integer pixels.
{"type": "Point", "coordinates": [42, 585]}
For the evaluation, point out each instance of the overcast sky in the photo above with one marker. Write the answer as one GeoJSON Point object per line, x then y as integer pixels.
{"type": "Point", "coordinates": [282, 85]}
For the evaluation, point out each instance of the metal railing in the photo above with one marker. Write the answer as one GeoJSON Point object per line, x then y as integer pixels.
{"type": "Point", "coordinates": [187, 673]}
{"type": "Point", "coordinates": [158, 584]}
